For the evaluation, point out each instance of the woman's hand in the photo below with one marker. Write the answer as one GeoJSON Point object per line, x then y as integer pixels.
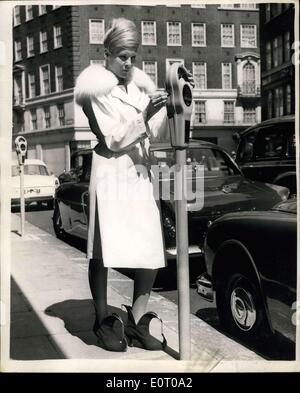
{"type": "Point", "coordinates": [158, 100]}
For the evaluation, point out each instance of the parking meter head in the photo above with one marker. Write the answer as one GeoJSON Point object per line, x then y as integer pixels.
{"type": "Point", "coordinates": [21, 149]}
{"type": "Point", "coordinates": [179, 104]}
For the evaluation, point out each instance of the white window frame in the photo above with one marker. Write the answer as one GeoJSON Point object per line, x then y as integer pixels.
{"type": "Point", "coordinates": [101, 40]}
{"type": "Point", "coordinates": [241, 35]}
{"type": "Point", "coordinates": [101, 62]}
{"type": "Point", "coordinates": [41, 41]}
{"type": "Point", "coordinates": [205, 68]}
{"type": "Point", "coordinates": [30, 95]}
{"type": "Point", "coordinates": [56, 78]}
{"type": "Point", "coordinates": [33, 111]}
{"type": "Point", "coordinates": [59, 112]}
{"type": "Point", "coordinates": [155, 67]}
{"type": "Point", "coordinates": [142, 30]}
{"type": "Point", "coordinates": [173, 60]}
{"type": "Point", "coordinates": [233, 102]}
{"type": "Point", "coordinates": [27, 8]}
{"type": "Point", "coordinates": [249, 113]}
{"type": "Point", "coordinates": [42, 87]}
{"type": "Point", "coordinates": [28, 45]}
{"type": "Point", "coordinates": [168, 31]}
{"type": "Point", "coordinates": [18, 53]}
{"type": "Point", "coordinates": [17, 15]}
{"type": "Point", "coordinates": [204, 34]}
{"type": "Point", "coordinates": [42, 9]}
{"type": "Point", "coordinates": [48, 117]}
{"type": "Point", "coordinates": [196, 102]}
{"type": "Point", "coordinates": [198, 5]}
{"type": "Point", "coordinates": [55, 36]}
{"type": "Point", "coordinates": [223, 75]}
{"type": "Point", "coordinates": [241, 6]}
{"type": "Point", "coordinates": [233, 40]}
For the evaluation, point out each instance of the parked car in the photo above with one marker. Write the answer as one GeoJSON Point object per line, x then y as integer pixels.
{"type": "Point", "coordinates": [251, 260]}
{"type": "Point", "coordinates": [267, 152]}
{"type": "Point", "coordinates": [39, 185]}
{"type": "Point", "coordinates": [225, 190]}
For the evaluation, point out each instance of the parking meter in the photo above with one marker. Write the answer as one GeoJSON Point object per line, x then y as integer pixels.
{"type": "Point", "coordinates": [179, 110]}
{"type": "Point", "coordinates": [179, 104]}
{"type": "Point", "coordinates": [21, 149]}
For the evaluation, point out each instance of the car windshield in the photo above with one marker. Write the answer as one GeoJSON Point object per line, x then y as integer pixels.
{"type": "Point", "coordinates": [215, 162]}
{"type": "Point", "coordinates": [32, 169]}
{"type": "Point", "coordinates": [288, 207]}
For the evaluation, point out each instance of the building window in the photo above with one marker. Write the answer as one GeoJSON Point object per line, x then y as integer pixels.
{"type": "Point", "coordinates": [198, 6]}
{"type": "Point", "coordinates": [96, 31]}
{"type": "Point", "coordinates": [248, 36]}
{"type": "Point", "coordinates": [268, 56]}
{"type": "Point", "coordinates": [55, 7]}
{"type": "Point", "coordinates": [29, 12]}
{"type": "Point", "coordinates": [18, 91]}
{"type": "Point", "coordinates": [250, 115]}
{"type": "Point", "coordinates": [278, 102]}
{"type": "Point", "coordinates": [249, 82]}
{"type": "Point", "coordinates": [148, 33]}
{"type": "Point", "coordinates": [30, 46]}
{"type": "Point", "coordinates": [18, 50]}
{"type": "Point", "coordinates": [287, 46]}
{"type": "Point", "coordinates": [43, 41]}
{"type": "Point", "coordinates": [199, 74]}
{"type": "Point", "coordinates": [57, 36]}
{"type": "Point", "coordinates": [198, 34]}
{"type": "Point", "coordinates": [17, 15]}
{"type": "Point", "coordinates": [200, 112]}
{"type": "Point", "coordinates": [59, 78]}
{"type": "Point", "coordinates": [270, 105]}
{"type": "Point", "coordinates": [61, 114]}
{"type": "Point", "coordinates": [47, 117]}
{"type": "Point", "coordinates": [248, 6]}
{"type": "Point", "coordinates": [169, 62]}
{"type": "Point", "coordinates": [228, 112]}
{"type": "Point", "coordinates": [101, 62]}
{"type": "Point", "coordinates": [33, 119]}
{"type": "Point", "coordinates": [226, 76]}
{"type": "Point", "coordinates": [45, 80]}
{"type": "Point", "coordinates": [31, 85]}
{"type": "Point", "coordinates": [150, 68]}
{"type": "Point", "coordinates": [174, 33]}
{"type": "Point", "coordinates": [227, 35]}
{"type": "Point", "coordinates": [288, 99]}
{"type": "Point", "coordinates": [42, 9]}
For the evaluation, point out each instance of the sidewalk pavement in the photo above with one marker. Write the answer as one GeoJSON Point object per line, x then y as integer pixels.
{"type": "Point", "coordinates": [52, 312]}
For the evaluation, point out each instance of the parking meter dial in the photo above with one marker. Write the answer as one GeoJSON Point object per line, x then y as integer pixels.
{"type": "Point", "coordinates": [21, 149]}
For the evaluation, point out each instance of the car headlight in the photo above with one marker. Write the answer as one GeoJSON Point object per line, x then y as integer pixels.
{"type": "Point", "coordinates": [283, 192]}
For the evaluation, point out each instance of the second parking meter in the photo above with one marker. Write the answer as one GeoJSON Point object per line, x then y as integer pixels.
{"type": "Point", "coordinates": [179, 104]}
{"type": "Point", "coordinates": [21, 150]}
{"type": "Point", "coordinates": [179, 110]}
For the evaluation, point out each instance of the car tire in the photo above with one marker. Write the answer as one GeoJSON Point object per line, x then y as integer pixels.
{"type": "Point", "coordinates": [57, 223]}
{"type": "Point", "coordinates": [240, 307]}
{"type": "Point", "coordinates": [50, 204]}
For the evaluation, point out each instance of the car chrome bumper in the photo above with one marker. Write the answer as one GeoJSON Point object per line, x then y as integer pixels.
{"type": "Point", "coordinates": [204, 287]}
{"type": "Point", "coordinates": [16, 201]}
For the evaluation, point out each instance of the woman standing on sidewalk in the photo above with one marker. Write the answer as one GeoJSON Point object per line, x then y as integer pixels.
{"type": "Point", "coordinates": [124, 110]}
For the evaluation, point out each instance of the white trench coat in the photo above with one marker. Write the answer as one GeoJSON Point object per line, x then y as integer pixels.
{"type": "Point", "coordinates": [129, 231]}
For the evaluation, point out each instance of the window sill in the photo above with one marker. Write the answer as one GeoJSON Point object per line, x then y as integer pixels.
{"type": "Point", "coordinates": [227, 46]}
{"type": "Point", "coordinates": [153, 44]}
{"type": "Point", "coordinates": [174, 44]}
{"type": "Point", "coordinates": [199, 45]}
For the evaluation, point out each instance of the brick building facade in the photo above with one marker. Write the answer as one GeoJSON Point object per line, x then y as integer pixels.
{"type": "Point", "coordinates": [218, 43]}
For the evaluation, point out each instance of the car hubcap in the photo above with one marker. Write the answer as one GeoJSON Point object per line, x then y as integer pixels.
{"type": "Point", "coordinates": [243, 308]}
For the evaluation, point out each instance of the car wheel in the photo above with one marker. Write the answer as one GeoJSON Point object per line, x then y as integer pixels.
{"type": "Point", "coordinates": [240, 307]}
{"type": "Point", "coordinates": [57, 223]}
{"type": "Point", "coordinates": [50, 204]}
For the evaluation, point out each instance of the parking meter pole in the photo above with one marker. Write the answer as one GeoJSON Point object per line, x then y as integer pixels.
{"type": "Point", "coordinates": [22, 200]}
{"type": "Point", "coordinates": [182, 257]}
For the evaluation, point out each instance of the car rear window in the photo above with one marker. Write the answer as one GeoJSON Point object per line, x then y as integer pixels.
{"type": "Point", "coordinates": [215, 162]}
{"type": "Point", "coordinates": [39, 170]}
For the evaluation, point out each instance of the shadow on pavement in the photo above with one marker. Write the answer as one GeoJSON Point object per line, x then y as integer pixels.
{"type": "Point", "coordinates": [29, 338]}
{"type": "Point", "coordinates": [276, 348]}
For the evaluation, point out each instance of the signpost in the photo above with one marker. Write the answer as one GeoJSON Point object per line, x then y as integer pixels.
{"type": "Point", "coordinates": [179, 109]}
{"type": "Point", "coordinates": [21, 150]}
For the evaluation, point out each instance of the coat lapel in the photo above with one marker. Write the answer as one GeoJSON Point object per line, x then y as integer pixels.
{"type": "Point", "coordinates": [133, 96]}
